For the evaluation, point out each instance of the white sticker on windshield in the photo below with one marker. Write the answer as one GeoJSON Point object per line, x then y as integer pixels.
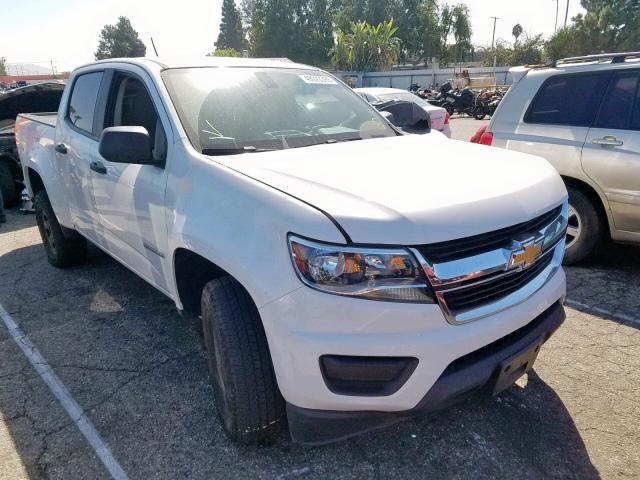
{"type": "Point", "coordinates": [321, 79]}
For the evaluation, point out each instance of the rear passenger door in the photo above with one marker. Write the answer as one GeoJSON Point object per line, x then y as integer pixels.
{"type": "Point", "coordinates": [611, 154]}
{"type": "Point", "coordinates": [129, 199]}
{"type": "Point", "coordinates": [76, 147]}
{"type": "Point", "coordinates": [556, 124]}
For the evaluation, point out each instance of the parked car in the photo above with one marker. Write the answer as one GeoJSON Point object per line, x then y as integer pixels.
{"type": "Point", "coordinates": [44, 97]}
{"type": "Point", "coordinates": [583, 116]}
{"type": "Point", "coordinates": [439, 116]}
{"type": "Point", "coordinates": [343, 282]}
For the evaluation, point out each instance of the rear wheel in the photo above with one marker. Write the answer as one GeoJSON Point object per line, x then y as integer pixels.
{"type": "Point", "coordinates": [585, 227]}
{"type": "Point", "coordinates": [64, 247]}
{"type": "Point", "coordinates": [479, 112]}
{"type": "Point", "coordinates": [249, 403]}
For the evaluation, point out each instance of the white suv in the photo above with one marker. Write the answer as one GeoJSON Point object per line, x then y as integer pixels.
{"type": "Point", "coordinates": [583, 115]}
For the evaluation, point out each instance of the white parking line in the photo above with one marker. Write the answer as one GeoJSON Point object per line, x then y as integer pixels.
{"type": "Point", "coordinates": [602, 311]}
{"type": "Point", "coordinates": [64, 397]}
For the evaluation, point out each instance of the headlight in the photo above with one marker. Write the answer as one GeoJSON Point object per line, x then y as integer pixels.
{"type": "Point", "coordinates": [372, 273]}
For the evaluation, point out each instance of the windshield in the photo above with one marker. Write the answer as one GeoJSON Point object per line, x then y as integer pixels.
{"type": "Point", "coordinates": [408, 96]}
{"type": "Point", "coordinates": [228, 110]}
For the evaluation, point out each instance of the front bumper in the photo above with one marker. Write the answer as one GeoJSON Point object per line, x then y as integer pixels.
{"type": "Point", "coordinates": [305, 325]}
{"type": "Point", "coordinates": [461, 378]}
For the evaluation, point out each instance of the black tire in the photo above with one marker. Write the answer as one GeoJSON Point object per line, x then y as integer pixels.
{"type": "Point", "coordinates": [8, 185]}
{"type": "Point", "coordinates": [585, 227]}
{"type": "Point", "coordinates": [64, 247]}
{"type": "Point", "coordinates": [248, 401]}
{"type": "Point", "coordinates": [479, 112]}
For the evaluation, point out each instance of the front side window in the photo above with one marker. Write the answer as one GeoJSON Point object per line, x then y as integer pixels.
{"type": "Point", "coordinates": [82, 104]}
{"type": "Point", "coordinates": [568, 100]}
{"type": "Point", "coordinates": [618, 104]}
{"type": "Point", "coordinates": [245, 109]}
{"type": "Point", "coordinates": [131, 105]}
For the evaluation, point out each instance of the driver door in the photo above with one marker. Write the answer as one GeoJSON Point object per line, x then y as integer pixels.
{"type": "Point", "coordinates": [129, 199]}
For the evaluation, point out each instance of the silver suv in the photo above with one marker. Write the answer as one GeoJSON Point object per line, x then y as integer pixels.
{"type": "Point", "coordinates": [583, 115]}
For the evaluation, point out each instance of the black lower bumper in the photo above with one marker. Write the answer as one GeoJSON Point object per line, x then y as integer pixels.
{"type": "Point", "coordinates": [460, 379]}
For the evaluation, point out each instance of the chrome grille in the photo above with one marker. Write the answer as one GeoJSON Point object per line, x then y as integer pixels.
{"type": "Point", "coordinates": [484, 242]}
{"type": "Point", "coordinates": [475, 295]}
{"type": "Point", "coordinates": [477, 276]}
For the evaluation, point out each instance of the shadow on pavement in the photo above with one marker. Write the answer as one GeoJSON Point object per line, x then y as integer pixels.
{"type": "Point", "coordinates": [139, 371]}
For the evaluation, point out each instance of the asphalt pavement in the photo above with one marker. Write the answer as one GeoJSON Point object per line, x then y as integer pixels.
{"type": "Point", "coordinates": [137, 371]}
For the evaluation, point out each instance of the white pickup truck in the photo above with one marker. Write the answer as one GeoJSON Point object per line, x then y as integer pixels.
{"type": "Point", "coordinates": [345, 279]}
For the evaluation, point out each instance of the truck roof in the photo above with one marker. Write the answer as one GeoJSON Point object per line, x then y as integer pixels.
{"type": "Point", "coordinates": [182, 61]}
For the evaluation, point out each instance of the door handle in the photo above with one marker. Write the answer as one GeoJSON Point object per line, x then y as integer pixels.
{"type": "Point", "coordinates": [98, 167]}
{"type": "Point", "coordinates": [61, 148]}
{"type": "Point", "coordinates": [608, 141]}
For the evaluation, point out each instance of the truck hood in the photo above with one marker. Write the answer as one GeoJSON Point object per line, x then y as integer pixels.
{"type": "Point", "coordinates": [412, 189]}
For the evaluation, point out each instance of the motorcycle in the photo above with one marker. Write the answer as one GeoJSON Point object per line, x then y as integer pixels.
{"type": "Point", "coordinates": [486, 104]}
{"type": "Point", "coordinates": [454, 101]}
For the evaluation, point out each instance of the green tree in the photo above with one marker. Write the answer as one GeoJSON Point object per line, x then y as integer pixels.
{"type": "Point", "coordinates": [119, 40]}
{"type": "Point", "coordinates": [226, 52]}
{"type": "Point", "coordinates": [528, 52]}
{"type": "Point", "coordinates": [516, 31]}
{"type": "Point", "coordinates": [568, 42]}
{"type": "Point", "coordinates": [410, 29]}
{"type": "Point", "coordinates": [3, 69]}
{"type": "Point", "coordinates": [231, 34]}
{"type": "Point", "coordinates": [430, 30]}
{"type": "Point", "coordinates": [366, 47]}
{"type": "Point", "coordinates": [461, 29]}
{"type": "Point", "coordinates": [607, 26]}
{"type": "Point", "coordinates": [301, 30]}
{"type": "Point", "coordinates": [613, 25]}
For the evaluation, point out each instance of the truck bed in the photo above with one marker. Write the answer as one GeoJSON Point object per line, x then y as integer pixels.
{"type": "Point", "coordinates": [47, 118]}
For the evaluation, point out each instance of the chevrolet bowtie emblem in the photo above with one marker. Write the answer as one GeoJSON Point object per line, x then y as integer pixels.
{"type": "Point", "coordinates": [525, 254]}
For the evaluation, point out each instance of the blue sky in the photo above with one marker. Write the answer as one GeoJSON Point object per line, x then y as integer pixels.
{"type": "Point", "coordinates": [66, 31]}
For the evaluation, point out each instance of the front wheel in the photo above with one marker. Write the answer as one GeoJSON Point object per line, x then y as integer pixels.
{"type": "Point", "coordinates": [585, 227]}
{"type": "Point", "coordinates": [64, 247]}
{"type": "Point", "coordinates": [248, 400]}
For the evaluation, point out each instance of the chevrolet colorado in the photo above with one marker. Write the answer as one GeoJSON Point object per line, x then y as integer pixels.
{"type": "Point", "coordinates": [344, 280]}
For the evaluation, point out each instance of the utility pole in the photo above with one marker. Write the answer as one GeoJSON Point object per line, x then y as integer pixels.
{"type": "Point", "coordinates": [555, 26]}
{"type": "Point", "coordinates": [566, 15]}
{"type": "Point", "coordinates": [493, 43]}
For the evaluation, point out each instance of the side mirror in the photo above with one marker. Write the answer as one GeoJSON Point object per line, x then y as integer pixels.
{"type": "Point", "coordinates": [126, 145]}
{"type": "Point", "coordinates": [388, 116]}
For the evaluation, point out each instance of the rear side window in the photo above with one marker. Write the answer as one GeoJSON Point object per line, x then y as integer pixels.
{"type": "Point", "coordinates": [568, 100]}
{"type": "Point", "coordinates": [82, 104]}
{"type": "Point", "coordinates": [618, 103]}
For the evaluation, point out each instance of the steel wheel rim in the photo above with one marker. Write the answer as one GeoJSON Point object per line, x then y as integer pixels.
{"type": "Point", "coordinates": [574, 227]}
{"type": "Point", "coordinates": [48, 231]}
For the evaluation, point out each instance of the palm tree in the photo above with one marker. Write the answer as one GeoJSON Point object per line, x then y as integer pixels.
{"type": "Point", "coordinates": [366, 47]}
{"type": "Point", "coordinates": [516, 32]}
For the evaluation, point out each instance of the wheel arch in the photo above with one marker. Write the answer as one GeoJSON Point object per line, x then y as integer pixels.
{"type": "Point", "coordinates": [594, 196]}
{"type": "Point", "coordinates": [192, 272]}
{"type": "Point", "coordinates": [35, 181]}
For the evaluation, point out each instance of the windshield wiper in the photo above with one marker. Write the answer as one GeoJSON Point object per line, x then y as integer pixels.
{"type": "Point", "coordinates": [234, 151]}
